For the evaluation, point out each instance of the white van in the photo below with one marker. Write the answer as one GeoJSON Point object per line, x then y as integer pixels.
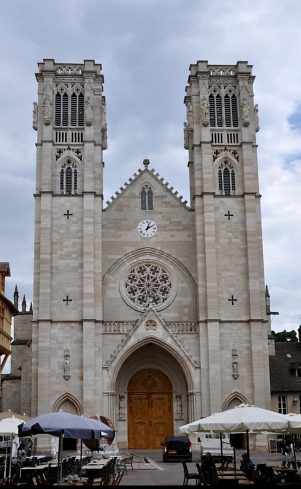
{"type": "Point", "coordinates": [210, 442]}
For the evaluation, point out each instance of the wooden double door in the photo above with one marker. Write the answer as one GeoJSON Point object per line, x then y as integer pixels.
{"type": "Point", "coordinates": [150, 410]}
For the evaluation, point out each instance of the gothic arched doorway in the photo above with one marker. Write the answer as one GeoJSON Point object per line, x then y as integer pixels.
{"type": "Point", "coordinates": [150, 409]}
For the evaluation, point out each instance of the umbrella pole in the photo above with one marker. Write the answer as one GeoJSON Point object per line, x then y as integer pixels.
{"type": "Point", "coordinates": [11, 447]}
{"type": "Point", "coordinates": [221, 442]}
{"type": "Point", "coordinates": [248, 446]}
{"type": "Point", "coordinates": [294, 451]}
{"type": "Point", "coordinates": [60, 459]}
{"type": "Point", "coordinates": [5, 465]}
{"type": "Point", "coordinates": [234, 459]}
{"type": "Point", "coordinates": [81, 458]}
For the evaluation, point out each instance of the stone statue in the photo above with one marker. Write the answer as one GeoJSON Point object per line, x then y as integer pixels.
{"type": "Point", "coordinates": [35, 116]}
{"type": "Point", "coordinates": [66, 364]}
{"type": "Point", "coordinates": [256, 117]}
{"type": "Point", "coordinates": [245, 108]}
{"type": "Point", "coordinates": [88, 112]}
{"type": "Point", "coordinates": [104, 137]}
{"type": "Point", "coordinates": [189, 114]}
{"type": "Point", "coordinates": [121, 407]}
{"type": "Point", "coordinates": [205, 111]}
{"type": "Point", "coordinates": [235, 373]}
{"type": "Point", "coordinates": [179, 407]}
{"type": "Point", "coordinates": [103, 115]}
{"type": "Point", "coordinates": [47, 109]}
{"type": "Point", "coordinates": [186, 136]}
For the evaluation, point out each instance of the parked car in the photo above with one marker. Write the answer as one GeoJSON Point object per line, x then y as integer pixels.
{"type": "Point", "coordinates": [176, 449]}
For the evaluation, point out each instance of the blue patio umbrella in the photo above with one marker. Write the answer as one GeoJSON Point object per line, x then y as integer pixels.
{"type": "Point", "coordinates": [65, 425]}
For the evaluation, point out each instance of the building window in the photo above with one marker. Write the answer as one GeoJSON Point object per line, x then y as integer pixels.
{"type": "Point", "coordinates": [148, 284]}
{"type": "Point", "coordinates": [231, 115]}
{"type": "Point", "coordinates": [215, 108]}
{"type": "Point", "coordinates": [146, 198]}
{"type": "Point", "coordinates": [282, 404]}
{"type": "Point", "coordinates": [69, 106]}
{"type": "Point", "coordinates": [223, 107]}
{"type": "Point", "coordinates": [68, 178]}
{"type": "Point", "coordinates": [226, 178]}
{"type": "Point", "coordinates": [300, 404]}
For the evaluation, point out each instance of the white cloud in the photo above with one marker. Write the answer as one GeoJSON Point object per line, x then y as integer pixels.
{"type": "Point", "coordinates": [145, 49]}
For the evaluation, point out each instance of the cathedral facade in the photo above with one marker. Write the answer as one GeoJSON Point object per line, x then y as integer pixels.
{"type": "Point", "coordinates": [148, 310]}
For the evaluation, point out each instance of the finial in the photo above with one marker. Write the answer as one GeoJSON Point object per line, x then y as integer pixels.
{"type": "Point", "coordinates": [16, 298]}
{"type": "Point", "coordinates": [24, 304]}
{"type": "Point", "coordinates": [146, 162]}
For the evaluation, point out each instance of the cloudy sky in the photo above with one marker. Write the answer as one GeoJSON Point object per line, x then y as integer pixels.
{"type": "Point", "coordinates": [145, 48]}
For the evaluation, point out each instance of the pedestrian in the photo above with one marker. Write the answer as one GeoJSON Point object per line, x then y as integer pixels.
{"type": "Point", "coordinates": [285, 451]}
{"type": "Point", "coordinates": [247, 466]}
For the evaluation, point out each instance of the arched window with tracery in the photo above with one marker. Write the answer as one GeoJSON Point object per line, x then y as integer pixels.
{"type": "Point", "coordinates": [68, 177]}
{"type": "Point", "coordinates": [226, 178]}
{"type": "Point", "coordinates": [146, 198]}
{"type": "Point", "coordinates": [69, 105]}
{"type": "Point", "coordinates": [231, 115]}
{"type": "Point", "coordinates": [223, 106]}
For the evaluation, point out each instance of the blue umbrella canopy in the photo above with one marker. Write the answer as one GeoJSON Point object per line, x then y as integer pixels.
{"type": "Point", "coordinates": [66, 425]}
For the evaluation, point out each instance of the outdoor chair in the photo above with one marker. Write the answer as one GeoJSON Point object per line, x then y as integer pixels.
{"type": "Point", "coordinates": [108, 473]}
{"type": "Point", "coordinates": [118, 477]}
{"type": "Point", "coordinates": [189, 475]}
{"type": "Point", "coordinates": [202, 479]}
{"type": "Point", "coordinates": [125, 463]}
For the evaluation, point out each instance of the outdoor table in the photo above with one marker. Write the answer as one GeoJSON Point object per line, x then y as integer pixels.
{"type": "Point", "coordinates": [36, 467]}
{"type": "Point", "coordinates": [230, 472]}
{"type": "Point", "coordinates": [95, 464]}
{"type": "Point", "coordinates": [35, 472]}
{"type": "Point", "coordinates": [93, 467]}
{"type": "Point", "coordinates": [233, 476]}
{"type": "Point", "coordinates": [286, 475]}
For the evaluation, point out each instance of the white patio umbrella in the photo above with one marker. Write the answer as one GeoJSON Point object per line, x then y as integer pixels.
{"type": "Point", "coordinates": [294, 421]}
{"type": "Point", "coordinates": [241, 419]}
{"type": "Point", "coordinates": [9, 427]}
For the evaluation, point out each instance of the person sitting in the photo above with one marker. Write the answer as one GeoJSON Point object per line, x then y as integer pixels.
{"type": "Point", "coordinates": [247, 466]}
{"type": "Point", "coordinates": [209, 470]}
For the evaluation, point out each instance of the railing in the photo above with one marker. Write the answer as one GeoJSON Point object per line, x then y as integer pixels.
{"type": "Point", "coordinates": [69, 136]}
{"type": "Point", "coordinates": [224, 137]}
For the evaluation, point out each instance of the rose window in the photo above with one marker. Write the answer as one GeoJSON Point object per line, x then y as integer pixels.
{"type": "Point", "coordinates": [148, 284]}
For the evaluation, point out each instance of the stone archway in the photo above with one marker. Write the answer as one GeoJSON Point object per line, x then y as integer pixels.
{"type": "Point", "coordinates": [150, 409]}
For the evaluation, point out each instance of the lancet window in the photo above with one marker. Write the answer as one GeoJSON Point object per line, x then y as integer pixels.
{"type": "Point", "coordinates": [226, 178]}
{"type": "Point", "coordinates": [146, 198]}
{"type": "Point", "coordinates": [68, 177]}
{"type": "Point", "coordinates": [69, 106]}
{"type": "Point", "coordinates": [223, 107]}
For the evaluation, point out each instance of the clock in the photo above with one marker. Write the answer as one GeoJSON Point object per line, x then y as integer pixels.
{"type": "Point", "coordinates": [147, 228]}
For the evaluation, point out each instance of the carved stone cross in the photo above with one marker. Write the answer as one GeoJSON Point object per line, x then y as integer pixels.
{"type": "Point", "coordinates": [68, 214]}
{"type": "Point", "coordinates": [232, 300]}
{"type": "Point", "coordinates": [228, 215]}
{"type": "Point", "coordinates": [67, 300]}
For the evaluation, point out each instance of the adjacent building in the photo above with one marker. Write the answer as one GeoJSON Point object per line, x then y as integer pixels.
{"type": "Point", "coordinates": [7, 310]}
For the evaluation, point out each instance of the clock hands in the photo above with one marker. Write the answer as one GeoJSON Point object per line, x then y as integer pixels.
{"type": "Point", "coordinates": [149, 226]}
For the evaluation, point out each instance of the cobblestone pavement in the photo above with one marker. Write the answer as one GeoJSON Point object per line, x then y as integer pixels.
{"type": "Point", "coordinates": [156, 473]}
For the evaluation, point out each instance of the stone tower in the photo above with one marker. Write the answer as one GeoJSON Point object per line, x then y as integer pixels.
{"type": "Point", "coordinates": [70, 119]}
{"type": "Point", "coordinates": [220, 135]}
{"type": "Point", "coordinates": [148, 310]}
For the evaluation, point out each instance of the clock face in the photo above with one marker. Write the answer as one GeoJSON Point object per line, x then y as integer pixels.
{"type": "Point", "coordinates": [147, 228]}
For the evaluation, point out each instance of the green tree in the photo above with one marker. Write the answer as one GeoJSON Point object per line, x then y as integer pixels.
{"type": "Point", "coordinates": [284, 336]}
